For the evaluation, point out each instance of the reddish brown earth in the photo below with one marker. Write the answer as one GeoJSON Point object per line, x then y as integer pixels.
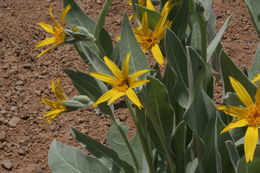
{"type": "Point", "coordinates": [24, 137]}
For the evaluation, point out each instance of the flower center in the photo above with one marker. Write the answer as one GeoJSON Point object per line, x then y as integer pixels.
{"type": "Point", "coordinates": [123, 86]}
{"type": "Point", "coordinates": [59, 35]}
{"type": "Point", "coordinates": [253, 115]}
{"type": "Point", "coordinates": [148, 41]}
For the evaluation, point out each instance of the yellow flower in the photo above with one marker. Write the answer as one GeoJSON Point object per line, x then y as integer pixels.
{"type": "Point", "coordinates": [247, 116]}
{"type": "Point", "coordinates": [57, 31]}
{"type": "Point", "coordinates": [57, 106]}
{"type": "Point", "coordinates": [149, 39]}
{"type": "Point", "coordinates": [145, 3]}
{"type": "Point", "coordinates": [123, 83]}
{"type": "Point", "coordinates": [256, 78]}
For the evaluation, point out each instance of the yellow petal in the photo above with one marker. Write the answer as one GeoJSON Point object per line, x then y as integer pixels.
{"type": "Point", "coordinates": [54, 112]}
{"type": "Point", "coordinates": [241, 92]}
{"type": "Point", "coordinates": [251, 139]}
{"type": "Point", "coordinates": [256, 78]}
{"type": "Point", "coordinates": [157, 54]}
{"type": "Point", "coordinates": [125, 69]}
{"type": "Point", "coordinates": [106, 78]}
{"type": "Point", "coordinates": [47, 101]}
{"type": "Point", "coordinates": [133, 97]}
{"type": "Point", "coordinates": [113, 68]}
{"type": "Point", "coordinates": [47, 50]}
{"type": "Point", "coordinates": [64, 13]}
{"type": "Point", "coordinates": [57, 90]}
{"type": "Point", "coordinates": [53, 104]}
{"type": "Point", "coordinates": [138, 83]}
{"type": "Point", "coordinates": [233, 111]}
{"type": "Point", "coordinates": [149, 5]}
{"type": "Point", "coordinates": [115, 97]}
{"type": "Point", "coordinates": [46, 27]}
{"type": "Point", "coordinates": [109, 94]}
{"type": "Point", "coordinates": [145, 24]}
{"type": "Point", "coordinates": [45, 42]}
{"type": "Point", "coordinates": [257, 96]}
{"type": "Point", "coordinates": [135, 75]}
{"type": "Point", "coordinates": [234, 124]}
{"type": "Point", "coordinates": [52, 17]}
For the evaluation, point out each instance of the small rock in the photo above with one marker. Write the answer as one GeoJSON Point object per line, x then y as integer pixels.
{"type": "Point", "coordinates": [122, 117]}
{"type": "Point", "coordinates": [3, 112]}
{"type": "Point", "coordinates": [19, 83]}
{"type": "Point", "coordinates": [39, 170]}
{"type": "Point", "coordinates": [7, 164]}
{"type": "Point", "coordinates": [13, 108]}
{"type": "Point", "coordinates": [25, 116]}
{"type": "Point", "coordinates": [14, 121]}
{"type": "Point", "coordinates": [2, 136]}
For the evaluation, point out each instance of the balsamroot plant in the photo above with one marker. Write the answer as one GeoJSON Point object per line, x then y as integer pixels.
{"type": "Point", "coordinates": [179, 127]}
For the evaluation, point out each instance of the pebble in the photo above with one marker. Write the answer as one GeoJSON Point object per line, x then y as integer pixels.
{"type": "Point", "coordinates": [39, 170]}
{"type": "Point", "coordinates": [19, 83]}
{"type": "Point", "coordinates": [14, 121]}
{"type": "Point", "coordinates": [13, 108]}
{"type": "Point", "coordinates": [7, 164]}
{"type": "Point", "coordinates": [2, 136]}
{"type": "Point", "coordinates": [3, 112]}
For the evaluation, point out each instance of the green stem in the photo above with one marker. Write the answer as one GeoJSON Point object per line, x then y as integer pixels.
{"type": "Point", "coordinates": [126, 141]}
{"type": "Point", "coordinates": [203, 33]}
{"type": "Point", "coordinates": [141, 137]}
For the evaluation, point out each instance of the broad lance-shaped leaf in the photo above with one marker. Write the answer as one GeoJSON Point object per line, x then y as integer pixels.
{"type": "Point", "coordinates": [105, 155]}
{"type": "Point", "coordinates": [128, 44]}
{"type": "Point", "coordinates": [255, 66]}
{"type": "Point", "coordinates": [214, 43]}
{"type": "Point", "coordinates": [159, 110]}
{"type": "Point", "coordinates": [153, 16]}
{"type": "Point", "coordinates": [180, 17]}
{"type": "Point", "coordinates": [67, 159]}
{"type": "Point", "coordinates": [228, 68]}
{"type": "Point", "coordinates": [178, 143]}
{"type": "Point", "coordinates": [254, 9]}
{"type": "Point", "coordinates": [200, 115]}
{"type": "Point", "coordinates": [91, 58]}
{"type": "Point", "coordinates": [116, 142]}
{"type": "Point", "coordinates": [101, 18]}
{"type": "Point", "coordinates": [233, 153]}
{"type": "Point", "coordinates": [177, 59]}
{"type": "Point", "coordinates": [250, 167]}
{"type": "Point", "coordinates": [89, 86]}
{"type": "Point", "coordinates": [76, 17]}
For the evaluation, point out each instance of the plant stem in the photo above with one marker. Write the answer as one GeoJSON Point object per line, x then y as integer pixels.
{"type": "Point", "coordinates": [203, 33]}
{"type": "Point", "coordinates": [141, 137]}
{"type": "Point", "coordinates": [126, 141]}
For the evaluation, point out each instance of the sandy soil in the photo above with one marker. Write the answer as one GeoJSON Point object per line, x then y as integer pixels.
{"type": "Point", "coordinates": [24, 137]}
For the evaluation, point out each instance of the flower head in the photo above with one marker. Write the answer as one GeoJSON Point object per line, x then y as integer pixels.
{"type": "Point", "coordinates": [149, 39]}
{"type": "Point", "coordinates": [58, 31]}
{"type": "Point", "coordinates": [122, 82]}
{"type": "Point", "coordinates": [249, 115]}
{"type": "Point", "coordinates": [56, 106]}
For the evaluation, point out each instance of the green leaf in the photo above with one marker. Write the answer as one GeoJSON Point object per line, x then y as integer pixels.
{"type": "Point", "coordinates": [207, 5]}
{"type": "Point", "coordinates": [159, 109]}
{"type": "Point", "coordinates": [233, 153]}
{"type": "Point", "coordinates": [67, 159]}
{"type": "Point", "coordinates": [180, 18]}
{"type": "Point", "coordinates": [179, 146]}
{"type": "Point", "coordinates": [89, 86]}
{"type": "Point", "coordinates": [254, 9]}
{"type": "Point", "coordinates": [178, 61]}
{"type": "Point", "coordinates": [255, 66]}
{"type": "Point", "coordinates": [228, 68]}
{"type": "Point", "coordinates": [91, 58]}
{"type": "Point", "coordinates": [250, 167]}
{"type": "Point", "coordinates": [104, 154]}
{"type": "Point", "coordinates": [128, 44]}
{"type": "Point", "coordinates": [214, 43]}
{"type": "Point", "coordinates": [116, 142]}
{"type": "Point", "coordinates": [196, 37]}
{"type": "Point", "coordinates": [102, 17]}
{"type": "Point", "coordinates": [153, 16]}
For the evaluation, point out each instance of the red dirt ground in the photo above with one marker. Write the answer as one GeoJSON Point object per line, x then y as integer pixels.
{"type": "Point", "coordinates": [24, 137]}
